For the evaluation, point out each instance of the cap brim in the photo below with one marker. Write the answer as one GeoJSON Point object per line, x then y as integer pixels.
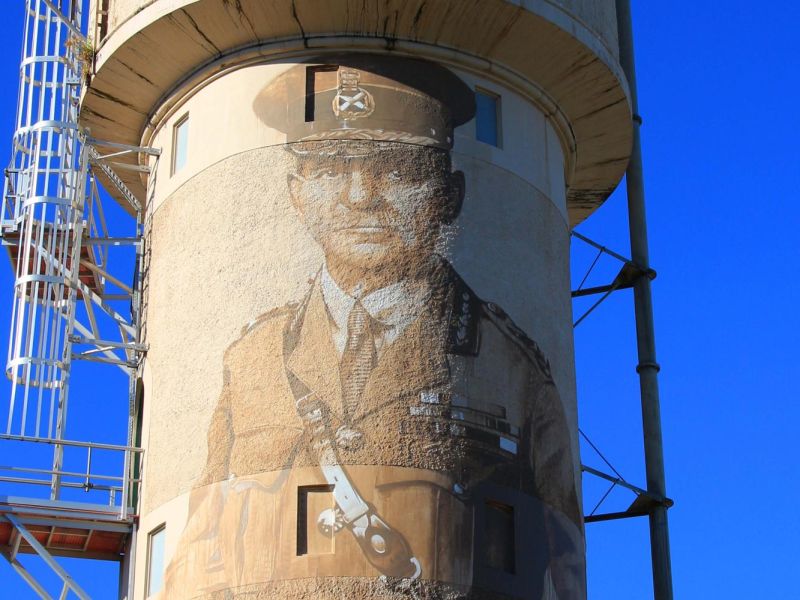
{"type": "Point", "coordinates": [328, 142]}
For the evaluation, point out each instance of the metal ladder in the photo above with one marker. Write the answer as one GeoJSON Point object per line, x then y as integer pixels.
{"type": "Point", "coordinates": [53, 225]}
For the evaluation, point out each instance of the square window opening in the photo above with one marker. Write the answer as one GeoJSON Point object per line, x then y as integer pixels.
{"type": "Point", "coordinates": [317, 77]}
{"type": "Point", "coordinates": [316, 520]}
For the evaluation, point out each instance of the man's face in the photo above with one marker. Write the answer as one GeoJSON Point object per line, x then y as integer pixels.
{"type": "Point", "coordinates": [378, 205]}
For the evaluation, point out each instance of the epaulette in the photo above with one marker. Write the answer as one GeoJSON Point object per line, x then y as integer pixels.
{"type": "Point", "coordinates": [531, 348]}
{"type": "Point", "coordinates": [294, 309]}
{"type": "Point", "coordinates": [464, 320]}
{"type": "Point", "coordinates": [287, 309]}
{"type": "Point", "coordinates": [282, 312]}
{"type": "Point", "coordinates": [292, 330]}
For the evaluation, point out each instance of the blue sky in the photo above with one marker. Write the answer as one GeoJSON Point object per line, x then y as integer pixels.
{"type": "Point", "coordinates": [718, 86]}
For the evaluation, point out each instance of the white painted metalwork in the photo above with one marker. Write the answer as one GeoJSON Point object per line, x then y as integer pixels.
{"type": "Point", "coordinates": [69, 584]}
{"type": "Point", "coordinates": [55, 227]}
{"type": "Point", "coordinates": [68, 302]}
{"type": "Point", "coordinates": [42, 218]}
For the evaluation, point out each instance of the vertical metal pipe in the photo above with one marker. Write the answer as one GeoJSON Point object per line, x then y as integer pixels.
{"type": "Point", "coordinates": [127, 567]}
{"type": "Point", "coordinates": [645, 337]}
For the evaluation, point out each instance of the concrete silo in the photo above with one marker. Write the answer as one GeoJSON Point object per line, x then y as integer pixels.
{"type": "Point", "coordinates": [360, 379]}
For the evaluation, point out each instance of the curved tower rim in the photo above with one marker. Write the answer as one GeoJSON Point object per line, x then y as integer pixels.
{"type": "Point", "coordinates": [585, 90]}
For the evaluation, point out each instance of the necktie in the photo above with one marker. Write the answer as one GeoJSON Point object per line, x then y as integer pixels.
{"type": "Point", "coordinates": [358, 359]}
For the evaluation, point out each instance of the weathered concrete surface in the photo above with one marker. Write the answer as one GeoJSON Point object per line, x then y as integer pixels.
{"type": "Point", "coordinates": [563, 57]}
{"type": "Point", "coordinates": [598, 16]}
{"type": "Point", "coordinates": [261, 249]}
{"type": "Point", "coordinates": [221, 127]}
{"type": "Point", "coordinates": [228, 248]}
{"type": "Point", "coordinates": [225, 272]}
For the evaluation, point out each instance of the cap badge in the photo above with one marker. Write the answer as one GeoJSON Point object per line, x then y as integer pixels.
{"type": "Point", "coordinates": [351, 101]}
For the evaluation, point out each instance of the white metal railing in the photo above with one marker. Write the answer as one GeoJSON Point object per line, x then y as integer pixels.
{"type": "Point", "coordinates": [43, 217]}
{"type": "Point", "coordinates": [67, 303]}
{"type": "Point", "coordinates": [115, 482]}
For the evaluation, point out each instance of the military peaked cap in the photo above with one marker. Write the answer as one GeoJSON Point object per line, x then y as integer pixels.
{"type": "Point", "coordinates": [358, 96]}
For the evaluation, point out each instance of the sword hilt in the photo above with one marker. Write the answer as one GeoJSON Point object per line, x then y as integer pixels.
{"type": "Point", "coordinates": [384, 548]}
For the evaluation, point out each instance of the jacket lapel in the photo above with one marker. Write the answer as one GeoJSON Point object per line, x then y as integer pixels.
{"type": "Point", "coordinates": [416, 361]}
{"type": "Point", "coordinates": [314, 360]}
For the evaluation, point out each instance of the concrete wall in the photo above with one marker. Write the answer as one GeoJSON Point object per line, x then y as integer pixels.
{"type": "Point", "coordinates": [600, 17]}
{"type": "Point", "coordinates": [360, 321]}
{"type": "Point", "coordinates": [597, 15]}
{"type": "Point", "coordinates": [468, 414]}
{"type": "Point", "coordinates": [157, 52]}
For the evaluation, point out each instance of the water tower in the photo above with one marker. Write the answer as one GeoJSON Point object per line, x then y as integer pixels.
{"type": "Point", "coordinates": [350, 352]}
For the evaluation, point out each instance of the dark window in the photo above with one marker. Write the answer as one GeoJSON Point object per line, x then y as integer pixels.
{"type": "Point", "coordinates": [499, 547]}
{"type": "Point", "coordinates": [314, 76]}
{"type": "Point", "coordinates": [138, 412]}
{"type": "Point", "coordinates": [487, 117]}
{"type": "Point", "coordinates": [102, 18]}
{"type": "Point", "coordinates": [315, 510]}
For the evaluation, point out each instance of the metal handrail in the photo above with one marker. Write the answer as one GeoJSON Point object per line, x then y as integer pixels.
{"type": "Point", "coordinates": [123, 486]}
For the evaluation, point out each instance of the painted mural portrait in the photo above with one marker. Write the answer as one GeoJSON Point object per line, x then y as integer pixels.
{"type": "Point", "coordinates": [389, 426]}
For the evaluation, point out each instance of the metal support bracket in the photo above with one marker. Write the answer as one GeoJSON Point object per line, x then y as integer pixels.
{"type": "Point", "coordinates": [642, 505]}
{"type": "Point", "coordinates": [628, 275]}
{"type": "Point", "coordinates": [115, 179]}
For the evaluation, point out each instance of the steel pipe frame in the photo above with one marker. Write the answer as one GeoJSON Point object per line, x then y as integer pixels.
{"type": "Point", "coordinates": [648, 367]}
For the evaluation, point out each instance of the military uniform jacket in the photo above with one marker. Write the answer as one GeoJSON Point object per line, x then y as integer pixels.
{"type": "Point", "coordinates": [461, 400]}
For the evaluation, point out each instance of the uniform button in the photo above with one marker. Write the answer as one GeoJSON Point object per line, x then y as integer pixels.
{"type": "Point", "coordinates": [349, 439]}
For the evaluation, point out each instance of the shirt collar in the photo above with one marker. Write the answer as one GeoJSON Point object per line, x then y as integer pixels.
{"type": "Point", "coordinates": [337, 302]}
{"type": "Point", "coordinates": [395, 306]}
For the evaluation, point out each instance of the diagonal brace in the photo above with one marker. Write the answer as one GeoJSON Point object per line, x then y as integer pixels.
{"type": "Point", "coordinates": [642, 506]}
{"type": "Point", "coordinates": [65, 20]}
{"type": "Point", "coordinates": [69, 582]}
{"type": "Point", "coordinates": [25, 574]}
